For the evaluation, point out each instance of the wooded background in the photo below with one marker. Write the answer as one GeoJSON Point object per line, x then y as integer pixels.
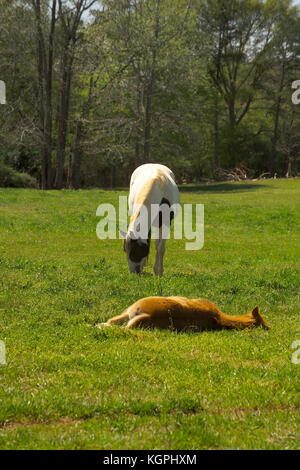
{"type": "Point", "coordinates": [95, 89]}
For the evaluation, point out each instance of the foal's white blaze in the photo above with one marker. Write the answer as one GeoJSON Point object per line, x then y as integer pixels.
{"type": "Point", "coordinates": [151, 184]}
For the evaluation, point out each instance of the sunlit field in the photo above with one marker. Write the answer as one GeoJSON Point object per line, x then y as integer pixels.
{"type": "Point", "coordinates": [69, 385]}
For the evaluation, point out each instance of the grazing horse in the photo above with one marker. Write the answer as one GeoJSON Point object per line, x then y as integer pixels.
{"type": "Point", "coordinates": [181, 314]}
{"type": "Point", "coordinates": [153, 202]}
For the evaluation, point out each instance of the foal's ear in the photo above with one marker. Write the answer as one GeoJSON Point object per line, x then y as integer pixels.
{"type": "Point", "coordinates": [259, 319]}
{"type": "Point", "coordinates": [255, 312]}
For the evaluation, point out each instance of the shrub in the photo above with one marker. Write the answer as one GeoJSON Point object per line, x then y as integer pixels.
{"type": "Point", "coordinates": [11, 178]}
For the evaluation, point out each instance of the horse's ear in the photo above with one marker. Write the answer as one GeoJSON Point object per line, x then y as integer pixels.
{"type": "Point", "coordinates": [123, 234]}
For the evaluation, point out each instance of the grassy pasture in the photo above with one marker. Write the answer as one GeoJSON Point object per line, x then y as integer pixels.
{"type": "Point", "coordinates": [67, 385]}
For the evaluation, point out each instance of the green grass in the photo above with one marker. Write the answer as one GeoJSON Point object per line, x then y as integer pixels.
{"type": "Point", "coordinates": [68, 385]}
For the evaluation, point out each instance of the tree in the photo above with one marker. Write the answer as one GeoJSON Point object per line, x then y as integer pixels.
{"type": "Point", "coordinates": [238, 33]}
{"type": "Point", "coordinates": [70, 17]}
{"type": "Point", "coordinates": [79, 136]}
{"type": "Point", "coordinates": [141, 33]}
{"type": "Point", "coordinates": [45, 43]}
{"type": "Point", "coordinates": [286, 48]}
{"type": "Point", "coordinates": [193, 85]}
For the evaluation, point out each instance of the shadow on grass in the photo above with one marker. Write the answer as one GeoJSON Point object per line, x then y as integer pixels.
{"type": "Point", "coordinates": [221, 187]}
{"type": "Point", "coordinates": [205, 187]}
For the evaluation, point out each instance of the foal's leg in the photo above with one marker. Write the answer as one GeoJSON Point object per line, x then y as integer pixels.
{"type": "Point", "coordinates": [141, 321]}
{"type": "Point", "coordinates": [119, 319]}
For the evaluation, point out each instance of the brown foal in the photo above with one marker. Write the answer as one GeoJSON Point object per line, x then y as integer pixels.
{"type": "Point", "coordinates": [181, 314]}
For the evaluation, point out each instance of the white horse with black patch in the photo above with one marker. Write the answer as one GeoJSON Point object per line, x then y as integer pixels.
{"type": "Point", "coordinates": [153, 202]}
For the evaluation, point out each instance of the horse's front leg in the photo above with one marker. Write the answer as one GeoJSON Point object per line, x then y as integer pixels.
{"type": "Point", "coordinates": [160, 246]}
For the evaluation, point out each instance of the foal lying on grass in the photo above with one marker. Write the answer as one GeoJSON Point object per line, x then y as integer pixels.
{"type": "Point", "coordinates": [181, 314]}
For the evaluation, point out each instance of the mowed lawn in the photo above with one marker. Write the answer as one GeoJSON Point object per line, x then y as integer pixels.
{"type": "Point", "coordinates": [69, 385]}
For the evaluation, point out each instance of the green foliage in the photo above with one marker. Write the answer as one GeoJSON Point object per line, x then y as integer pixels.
{"type": "Point", "coordinates": [194, 85]}
{"type": "Point", "coordinates": [69, 385]}
{"type": "Point", "coordinates": [11, 178]}
{"type": "Point", "coordinates": [240, 145]}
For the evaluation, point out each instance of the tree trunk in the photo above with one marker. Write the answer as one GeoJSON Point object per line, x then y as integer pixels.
{"type": "Point", "coordinates": [48, 124]}
{"type": "Point", "coordinates": [70, 24]}
{"type": "Point", "coordinates": [69, 172]}
{"type": "Point", "coordinates": [45, 66]}
{"type": "Point", "coordinates": [41, 90]}
{"type": "Point", "coordinates": [138, 117]}
{"type": "Point", "coordinates": [216, 135]}
{"type": "Point", "coordinates": [148, 111]}
{"type": "Point", "coordinates": [149, 90]}
{"type": "Point", "coordinates": [231, 112]}
{"type": "Point", "coordinates": [77, 155]}
{"type": "Point", "coordinates": [289, 170]}
{"type": "Point", "coordinates": [112, 176]}
{"type": "Point", "coordinates": [216, 121]}
{"type": "Point", "coordinates": [148, 115]}
{"type": "Point", "coordinates": [79, 135]}
{"type": "Point", "coordinates": [63, 114]}
{"type": "Point", "coordinates": [276, 122]}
